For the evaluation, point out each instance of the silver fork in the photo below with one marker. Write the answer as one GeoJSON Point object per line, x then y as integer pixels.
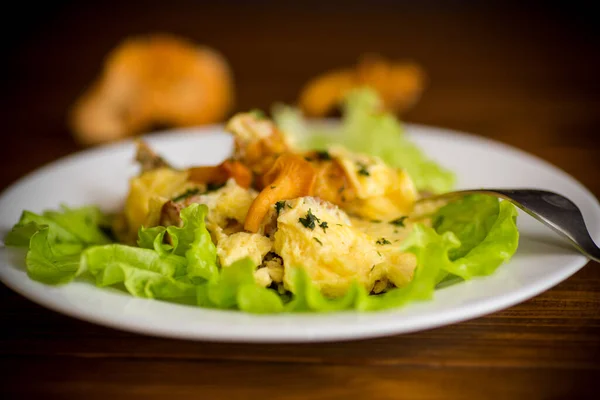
{"type": "Point", "coordinates": [552, 209]}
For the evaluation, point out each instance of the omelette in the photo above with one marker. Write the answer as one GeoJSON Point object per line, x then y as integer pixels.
{"type": "Point", "coordinates": [339, 215]}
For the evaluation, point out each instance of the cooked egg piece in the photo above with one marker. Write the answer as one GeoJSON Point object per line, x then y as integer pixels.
{"type": "Point", "coordinates": [160, 184]}
{"type": "Point", "coordinates": [395, 231]}
{"type": "Point", "coordinates": [249, 127]}
{"type": "Point", "coordinates": [275, 269]}
{"type": "Point", "coordinates": [381, 192]}
{"type": "Point", "coordinates": [241, 245]}
{"type": "Point", "coordinates": [226, 206]}
{"type": "Point", "coordinates": [398, 267]}
{"type": "Point", "coordinates": [318, 237]}
{"type": "Point", "coordinates": [262, 278]}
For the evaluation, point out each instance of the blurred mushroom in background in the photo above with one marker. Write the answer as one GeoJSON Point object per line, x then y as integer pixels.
{"type": "Point", "coordinates": [399, 84]}
{"type": "Point", "coordinates": [153, 80]}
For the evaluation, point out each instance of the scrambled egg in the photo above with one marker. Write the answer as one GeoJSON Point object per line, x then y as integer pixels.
{"type": "Point", "coordinates": [319, 237]}
{"type": "Point", "coordinates": [243, 244]}
{"type": "Point", "coordinates": [227, 209]}
{"type": "Point", "coordinates": [334, 249]}
{"type": "Point", "coordinates": [307, 232]}
{"type": "Point", "coordinates": [249, 128]}
{"type": "Point", "coordinates": [149, 192]}
{"type": "Point", "coordinates": [393, 231]}
{"type": "Point", "coordinates": [382, 192]}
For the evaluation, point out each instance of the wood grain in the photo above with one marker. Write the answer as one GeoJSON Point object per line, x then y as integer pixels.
{"type": "Point", "coordinates": [156, 379]}
{"type": "Point", "coordinates": [524, 76]}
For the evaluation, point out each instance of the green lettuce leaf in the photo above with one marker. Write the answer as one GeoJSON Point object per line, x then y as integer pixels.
{"type": "Point", "coordinates": [223, 292]}
{"type": "Point", "coordinates": [307, 297]}
{"type": "Point", "coordinates": [498, 246]}
{"type": "Point", "coordinates": [51, 263]}
{"type": "Point", "coordinates": [30, 223]}
{"type": "Point", "coordinates": [258, 300]}
{"type": "Point", "coordinates": [469, 218]}
{"type": "Point", "coordinates": [143, 272]}
{"type": "Point", "coordinates": [82, 222]}
{"type": "Point", "coordinates": [193, 240]}
{"type": "Point", "coordinates": [55, 240]}
{"type": "Point", "coordinates": [235, 287]}
{"type": "Point", "coordinates": [147, 236]}
{"type": "Point", "coordinates": [21, 233]}
{"type": "Point", "coordinates": [366, 129]}
{"type": "Point", "coordinates": [70, 225]}
{"type": "Point", "coordinates": [456, 247]}
{"type": "Point", "coordinates": [193, 221]}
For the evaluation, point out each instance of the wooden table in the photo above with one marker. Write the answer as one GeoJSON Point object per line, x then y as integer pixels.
{"type": "Point", "coordinates": [527, 77]}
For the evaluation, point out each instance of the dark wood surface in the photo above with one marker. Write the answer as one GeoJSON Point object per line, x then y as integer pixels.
{"type": "Point", "coordinates": [524, 76]}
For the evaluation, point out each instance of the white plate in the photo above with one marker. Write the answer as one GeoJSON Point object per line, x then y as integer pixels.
{"type": "Point", "coordinates": [100, 176]}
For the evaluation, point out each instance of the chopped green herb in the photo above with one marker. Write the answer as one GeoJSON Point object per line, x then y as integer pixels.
{"type": "Point", "coordinates": [323, 155]}
{"type": "Point", "coordinates": [318, 241]}
{"type": "Point", "coordinates": [186, 194]}
{"type": "Point", "coordinates": [309, 220]}
{"type": "Point", "coordinates": [383, 241]}
{"type": "Point", "coordinates": [341, 189]}
{"type": "Point", "coordinates": [288, 205]}
{"type": "Point", "coordinates": [339, 225]}
{"type": "Point", "coordinates": [399, 221]}
{"type": "Point", "coordinates": [273, 187]}
{"type": "Point", "coordinates": [362, 169]}
{"type": "Point", "coordinates": [376, 221]}
{"type": "Point", "coordinates": [308, 159]}
{"type": "Point", "coordinates": [279, 205]}
{"type": "Point", "coordinates": [379, 254]}
{"type": "Point", "coordinates": [214, 186]}
{"type": "Point", "coordinates": [324, 226]}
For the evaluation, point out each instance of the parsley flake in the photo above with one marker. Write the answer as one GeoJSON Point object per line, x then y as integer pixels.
{"type": "Point", "coordinates": [309, 220]}
{"type": "Point", "coordinates": [362, 169]}
{"type": "Point", "coordinates": [324, 226]}
{"type": "Point", "coordinates": [318, 241]}
{"type": "Point", "coordinates": [399, 221]}
{"type": "Point", "coordinates": [323, 155]}
{"type": "Point", "coordinates": [186, 194]}
{"type": "Point", "coordinates": [214, 186]}
{"type": "Point", "coordinates": [383, 241]}
{"type": "Point", "coordinates": [279, 205]}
